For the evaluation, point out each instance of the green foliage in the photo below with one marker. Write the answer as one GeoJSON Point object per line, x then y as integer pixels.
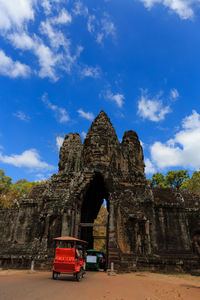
{"type": "Point", "coordinates": [11, 192]}
{"type": "Point", "coordinates": [192, 184]}
{"type": "Point", "coordinates": [176, 178]}
{"type": "Point", "coordinates": [158, 179]}
{"type": "Point", "coordinates": [22, 187]}
{"type": "Point", "coordinates": [5, 182]}
{"type": "Point", "coordinates": [173, 179]}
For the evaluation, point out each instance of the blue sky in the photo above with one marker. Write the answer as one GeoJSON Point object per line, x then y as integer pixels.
{"type": "Point", "coordinates": [61, 62]}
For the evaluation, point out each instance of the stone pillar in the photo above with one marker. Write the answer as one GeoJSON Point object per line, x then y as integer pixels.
{"type": "Point", "coordinates": [65, 223]}
{"type": "Point", "coordinates": [113, 249]}
{"type": "Point", "coordinates": [77, 223]}
{"type": "Point", "coordinates": [148, 239]}
{"type": "Point", "coordinates": [184, 232]}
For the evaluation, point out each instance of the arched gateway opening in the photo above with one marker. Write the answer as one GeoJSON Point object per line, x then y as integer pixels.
{"type": "Point", "coordinates": [95, 196]}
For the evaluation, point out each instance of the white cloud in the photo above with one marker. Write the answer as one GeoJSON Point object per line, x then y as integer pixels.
{"type": "Point", "coordinates": [164, 155]}
{"type": "Point", "coordinates": [46, 4]}
{"type": "Point", "coordinates": [117, 98]}
{"type": "Point", "coordinates": [99, 38]}
{"type": "Point", "coordinates": [80, 9]}
{"type": "Point", "coordinates": [184, 8]}
{"type": "Point", "coordinates": [101, 28]}
{"type": "Point", "coordinates": [174, 94]}
{"type": "Point", "coordinates": [93, 72]}
{"type": "Point", "coordinates": [57, 38]}
{"type": "Point", "coordinates": [149, 168]}
{"type": "Point", "coordinates": [192, 121]}
{"type": "Point", "coordinates": [22, 41]}
{"type": "Point", "coordinates": [183, 149]}
{"type": "Point", "coordinates": [83, 134]}
{"type": "Point", "coordinates": [60, 52]}
{"type": "Point", "coordinates": [11, 68]}
{"type": "Point", "coordinates": [29, 159]}
{"type": "Point", "coordinates": [50, 6]}
{"type": "Point", "coordinates": [47, 59]}
{"type": "Point", "coordinates": [91, 23]}
{"type": "Point", "coordinates": [152, 108]}
{"type": "Point", "coordinates": [15, 13]}
{"type": "Point", "coordinates": [86, 115]}
{"type": "Point", "coordinates": [40, 178]}
{"type": "Point", "coordinates": [142, 144]}
{"type": "Point", "coordinates": [63, 18]}
{"type": "Point", "coordinates": [60, 112]}
{"type": "Point", "coordinates": [21, 116]}
{"type": "Point", "coordinates": [59, 141]}
{"type": "Point", "coordinates": [105, 29]}
{"type": "Point", "coordinates": [108, 27]}
{"type": "Point", "coordinates": [55, 52]}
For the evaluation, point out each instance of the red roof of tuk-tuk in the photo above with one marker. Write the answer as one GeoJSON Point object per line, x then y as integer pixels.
{"type": "Point", "coordinates": [70, 239]}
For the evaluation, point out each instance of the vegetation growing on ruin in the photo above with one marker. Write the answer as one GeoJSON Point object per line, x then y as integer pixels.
{"type": "Point", "coordinates": [177, 179]}
{"type": "Point", "coordinates": [11, 192]}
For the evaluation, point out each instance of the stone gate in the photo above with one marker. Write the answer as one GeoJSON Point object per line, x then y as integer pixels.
{"type": "Point", "coordinates": [156, 229]}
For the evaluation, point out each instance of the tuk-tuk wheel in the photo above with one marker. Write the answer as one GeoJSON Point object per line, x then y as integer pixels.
{"type": "Point", "coordinates": [79, 275]}
{"type": "Point", "coordinates": [54, 275]}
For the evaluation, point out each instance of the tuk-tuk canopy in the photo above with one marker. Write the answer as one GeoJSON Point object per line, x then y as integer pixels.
{"type": "Point", "coordinates": [93, 250]}
{"type": "Point", "coordinates": [70, 239]}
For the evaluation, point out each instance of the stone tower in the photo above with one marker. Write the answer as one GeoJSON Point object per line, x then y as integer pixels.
{"type": "Point", "coordinates": [151, 229]}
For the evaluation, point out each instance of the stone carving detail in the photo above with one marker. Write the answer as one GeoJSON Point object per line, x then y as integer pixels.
{"type": "Point", "coordinates": [152, 229]}
{"type": "Point", "coordinates": [70, 153]}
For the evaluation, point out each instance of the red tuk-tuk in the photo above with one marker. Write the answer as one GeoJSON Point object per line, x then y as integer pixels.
{"type": "Point", "coordinates": [70, 255]}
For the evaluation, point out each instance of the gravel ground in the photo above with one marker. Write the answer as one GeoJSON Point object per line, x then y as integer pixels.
{"type": "Point", "coordinates": [21, 285]}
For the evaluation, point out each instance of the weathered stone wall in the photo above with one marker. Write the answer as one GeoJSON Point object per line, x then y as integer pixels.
{"type": "Point", "coordinates": [170, 213]}
{"type": "Point", "coordinates": [147, 229]}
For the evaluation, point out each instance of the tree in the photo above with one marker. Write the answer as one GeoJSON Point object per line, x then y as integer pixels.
{"type": "Point", "coordinates": [22, 187]}
{"type": "Point", "coordinates": [158, 180]}
{"type": "Point", "coordinates": [192, 184]}
{"type": "Point", "coordinates": [8, 199]}
{"type": "Point", "coordinates": [5, 182]}
{"type": "Point", "coordinates": [11, 192]}
{"type": "Point", "coordinates": [176, 178]}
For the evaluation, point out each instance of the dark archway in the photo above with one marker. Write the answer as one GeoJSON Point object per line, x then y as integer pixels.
{"type": "Point", "coordinates": [92, 201]}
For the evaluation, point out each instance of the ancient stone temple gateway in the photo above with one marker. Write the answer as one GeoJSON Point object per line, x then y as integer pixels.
{"type": "Point", "coordinates": [147, 229]}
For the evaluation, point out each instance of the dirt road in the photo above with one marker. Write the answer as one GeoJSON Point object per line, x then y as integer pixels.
{"type": "Point", "coordinates": [21, 285]}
